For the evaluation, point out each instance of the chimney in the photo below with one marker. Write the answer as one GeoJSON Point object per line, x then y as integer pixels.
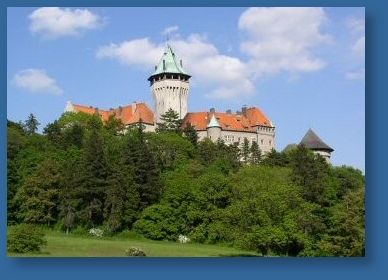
{"type": "Point", "coordinates": [229, 111]}
{"type": "Point", "coordinates": [244, 111]}
{"type": "Point", "coordinates": [134, 107]}
{"type": "Point", "coordinates": [164, 65]}
{"type": "Point", "coordinates": [212, 110]}
{"type": "Point", "coordinates": [121, 112]}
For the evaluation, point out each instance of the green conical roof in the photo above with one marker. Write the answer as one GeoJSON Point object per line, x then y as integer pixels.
{"type": "Point", "coordinates": [213, 122]}
{"type": "Point", "coordinates": [313, 142]}
{"type": "Point", "coordinates": [169, 63]}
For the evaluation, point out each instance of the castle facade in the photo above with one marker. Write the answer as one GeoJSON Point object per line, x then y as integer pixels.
{"type": "Point", "coordinates": [170, 86]}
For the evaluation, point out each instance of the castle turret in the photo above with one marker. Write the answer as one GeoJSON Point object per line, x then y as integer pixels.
{"type": "Point", "coordinates": [213, 128]}
{"type": "Point", "coordinates": [314, 143]}
{"type": "Point", "coordinates": [170, 85]}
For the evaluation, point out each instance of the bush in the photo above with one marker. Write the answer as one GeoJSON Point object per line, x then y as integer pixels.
{"type": "Point", "coordinates": [183, 239]}
{"type": "Point", "coordinates": [96, 232]}
{"type": "Point", "coordinates": [135, 252]}
{"type": "Point", "coordinates": [25, 238]}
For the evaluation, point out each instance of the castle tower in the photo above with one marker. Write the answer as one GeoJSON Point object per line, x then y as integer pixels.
{"type": "Point", "coordinates": [170, 85]}
{"type": "Point", "coordinates": [213, 129]}
{"type": "Point", "coordinates": [314, 143]}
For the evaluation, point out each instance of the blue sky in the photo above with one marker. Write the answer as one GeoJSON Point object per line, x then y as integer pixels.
{"type": "Point", "coordinates": [305, 68]}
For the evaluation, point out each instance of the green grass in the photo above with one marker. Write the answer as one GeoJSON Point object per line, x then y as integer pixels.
{"type": "Point", "coordinates": [69, 245]}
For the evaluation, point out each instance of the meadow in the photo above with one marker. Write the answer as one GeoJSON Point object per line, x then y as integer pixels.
{"type": "Point", "coordinates": [69, 245]}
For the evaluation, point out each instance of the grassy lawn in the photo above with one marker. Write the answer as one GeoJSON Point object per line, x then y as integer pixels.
{"type": "Point", "coordinates": [62, 245]}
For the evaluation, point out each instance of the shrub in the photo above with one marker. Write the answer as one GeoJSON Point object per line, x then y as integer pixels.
{"type": "Point", "coordinates": [183, 239]}
{"type": "Point", "coordinates": [135, 252]}
{"type": "Point", "coordinates": [96, 232]}
{"type": "Point", "coordinates": [25, 238]}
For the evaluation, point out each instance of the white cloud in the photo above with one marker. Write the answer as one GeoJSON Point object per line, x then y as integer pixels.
{"type": "Point", "coordinates": [358, 48]}
{"type": "Point", "coordinates": [135, 52]}
{"type": "Point", "coordinates": [278, 39]}
{"type": "Point", "coordinates": [356, 75]}
{"type": "Point", "coordinates": [282, 39]}
{"type": "Point", "coordinates": [169, 30]}
{"type": "Point", "coordinates": [224, 76]}
{"type": "Point", "coordinates": [36, 80]}
{"type": "Point", "coordinates": [54, 22]}
{"type": "Point", "coordinates": [356, 25]}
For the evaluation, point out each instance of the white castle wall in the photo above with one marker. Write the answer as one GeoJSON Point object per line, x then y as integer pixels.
{"type": "Point", "coordinates": [265, 138]}
{"type": "Point", "coordinates": [170, 93]}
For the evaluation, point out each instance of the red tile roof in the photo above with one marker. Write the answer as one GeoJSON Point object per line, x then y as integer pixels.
{"type": "Point", "coordinates": [257, 117]}
{"type": "Point", "coordinates": [237, 122]}
{"type": "Point", "coordinates": [126, 113]}
{"type": "Point", "coordinates": [228, 121]}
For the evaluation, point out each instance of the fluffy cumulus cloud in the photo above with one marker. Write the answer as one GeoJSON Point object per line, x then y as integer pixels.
{"type": "Point", "coordinates": [170, 29]}
{"type": "Point", "coordinates": [37, 81]}
{"type": "Point", "coordinates": [140, 52]}
{"type": "Point", "coordinates": [283, 39]}
{"type": "Point", "coordinates": [54, 22]}
{"type": "Point", "coordinates": [225, 76]}
{"type": "Point", "coordinates": [275, 40]}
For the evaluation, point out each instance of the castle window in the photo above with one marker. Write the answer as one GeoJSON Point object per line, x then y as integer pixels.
{"type": "Point", "coordinates": [262, 141]}
{"type": "Point", "coordinates": [270, 142]}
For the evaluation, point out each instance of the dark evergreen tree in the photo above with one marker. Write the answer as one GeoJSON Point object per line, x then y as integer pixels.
{"type": "Point", "coordinates": [245, 151]}
{"type": "Point", "coordinates": [122, 198]}
{"type": "Point", "coordinates": [94, 176]}
{"type": "Point", "coordinates": [170, 122]}
{"type": "Point", "coordinates": [31, 124]}
{"type": "Point", "coordinates": [255, 153]}
{"type": "Point", "coordinates": [191, 134]}
{"type": "Point", "coordinates": [122, 201]}
{"type": "Point", "coordinates": [147, 174]}
{"type": "Point", "coordinates": [70, 195]}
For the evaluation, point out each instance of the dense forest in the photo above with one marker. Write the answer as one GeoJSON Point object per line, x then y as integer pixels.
{"type": "Point", "coordinates": [81, 174]}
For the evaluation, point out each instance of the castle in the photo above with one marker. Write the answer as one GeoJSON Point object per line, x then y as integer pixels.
{"type": "Point", "coordinates": [170, 86]}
